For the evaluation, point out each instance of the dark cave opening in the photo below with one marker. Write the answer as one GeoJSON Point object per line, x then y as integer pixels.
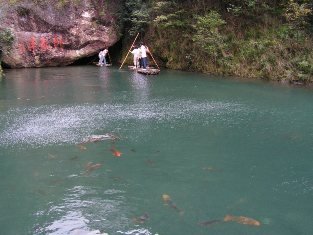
{"type": "Point", "coordinates": [113, 57]}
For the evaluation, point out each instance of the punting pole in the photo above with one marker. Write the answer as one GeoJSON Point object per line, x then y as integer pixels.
{"type": "Point", "coordinates": [129, 51]}
{"type": "Point", "coordinates": [154, 60]}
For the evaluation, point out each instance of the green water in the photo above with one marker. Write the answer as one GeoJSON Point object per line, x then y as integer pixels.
{"type": "Point", "coordinates": [215, 146]}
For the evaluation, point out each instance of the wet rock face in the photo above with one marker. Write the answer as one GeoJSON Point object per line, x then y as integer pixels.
{"type": "Point", "coordinates": [50, 34]}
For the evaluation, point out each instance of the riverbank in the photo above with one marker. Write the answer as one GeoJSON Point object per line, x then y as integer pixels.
{"type": "Point", "coordinates": [277, 53]}
{"type": "Point", "coordinates": [243, 39]}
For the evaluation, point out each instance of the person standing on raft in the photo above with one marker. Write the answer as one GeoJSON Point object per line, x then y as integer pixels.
{"type": "Point", "coordinates": [136, 53]}
{"type": "Point", "coordinates": [144, 49]}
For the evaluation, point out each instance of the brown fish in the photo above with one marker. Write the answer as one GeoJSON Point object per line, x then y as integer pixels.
{"type": "Point", "coordinates": [51, 156]}
{"type": "Point", "coordinates": [150, 163]}
{"type": "Point", "coordinates": [210, 222]}
{"type": "Point", "coordinates": [242, 220]}
{"type": "Point", "coordinates": [168, 201]}
{"type": "Point", "coordinates": [91, 167]}
{"type": "Point", "coordinates": [74, 158]}
{"type": "Point", "coordinates": [141, 219]}
{"type": "Point", "coordinates": [81, 147]}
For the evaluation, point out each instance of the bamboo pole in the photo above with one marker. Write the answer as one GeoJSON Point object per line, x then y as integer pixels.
{"type": "Point", "coordinates": [154, 59]}
{"type": "Point", "coordinates": [129, 50]}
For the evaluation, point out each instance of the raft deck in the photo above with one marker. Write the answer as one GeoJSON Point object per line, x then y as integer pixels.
{"type": "Point", "coordinates": [106, 65]}
{"type": "Point", "coordinates": [147, 71]}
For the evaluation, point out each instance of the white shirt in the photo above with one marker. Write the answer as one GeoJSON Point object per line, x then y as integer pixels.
{"type": "Point", "coordinates": [143, 51]}
{"type": "Point", "coordinates": [135, 52]}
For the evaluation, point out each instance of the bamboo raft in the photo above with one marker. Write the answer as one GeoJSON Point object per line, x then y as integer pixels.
{"type": "Point", "coordinates": [147, 71]}
{"type": "Point", "coordinates": [107, 65]}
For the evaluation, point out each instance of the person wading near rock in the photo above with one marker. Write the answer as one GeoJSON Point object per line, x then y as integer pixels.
{"type": "Point", "coordinates": [144, 58]}
{"type": "Point", "coordinates": [102, 55]}
{"type": "Point", "coordinates": [105, 52]}
{"type": "Point", "coordinates": [135, 53]}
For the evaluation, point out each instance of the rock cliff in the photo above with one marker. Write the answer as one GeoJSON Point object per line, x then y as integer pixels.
{"type": "Point", "coordinates": [55, 33]}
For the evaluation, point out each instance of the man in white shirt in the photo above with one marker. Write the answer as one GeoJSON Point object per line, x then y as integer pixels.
{"type": "Point", "coordinates": [144, 58]}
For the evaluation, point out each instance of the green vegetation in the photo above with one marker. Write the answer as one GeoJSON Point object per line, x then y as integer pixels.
{"type": "Point", "coordinates": [248, 38]}
{"type": "Point", "coordinates": [6, 41]}
{"type": "Point", "coordinates": [6, 38]}
{"type": "Point", "coordinates": [136, 16]}
{"type": "Point", "coordinates": [207, 35]}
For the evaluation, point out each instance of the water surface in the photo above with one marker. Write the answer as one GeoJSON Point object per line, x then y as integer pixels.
{"type": "Point", "coordinates": [215, 146]}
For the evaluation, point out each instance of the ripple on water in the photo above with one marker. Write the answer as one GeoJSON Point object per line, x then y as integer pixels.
{"type": "Point", "coordinates": [83, 212]}
{"type": "Point", "coordinates": [57, 124]}
{"type": "Point", "coordinates": [296, 186]}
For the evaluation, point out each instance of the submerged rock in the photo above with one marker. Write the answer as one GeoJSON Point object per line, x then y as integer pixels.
{"type": "Point", "coordinates": [47, 33]}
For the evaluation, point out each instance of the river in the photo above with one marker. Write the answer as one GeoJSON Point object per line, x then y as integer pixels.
{"type": "Point", "coordinates": [188, 149]}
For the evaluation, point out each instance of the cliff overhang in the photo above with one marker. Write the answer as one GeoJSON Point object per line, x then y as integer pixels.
{"type": "Point", "coordinates": [50, 34]}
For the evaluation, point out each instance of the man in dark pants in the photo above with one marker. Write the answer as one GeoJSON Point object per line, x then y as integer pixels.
{"type": "Point", "coordinates": [144, 50]}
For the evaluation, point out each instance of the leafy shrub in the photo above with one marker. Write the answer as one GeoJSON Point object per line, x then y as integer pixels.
{"type": "Point", "coordinates": [167, 14]}
{"type": "Point", "coordinates": [305, 67]}
{"type": "Point", "coordinates": [297, 13]}
{"type": "Point", "coordinates": [207, 34]}
{"type": "Point", "coordinates": [137, 16]}
{"type": "Point", "coordinates": [6, 38]}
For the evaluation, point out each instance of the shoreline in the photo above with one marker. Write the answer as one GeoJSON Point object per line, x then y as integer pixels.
{"type": "Point", "coordinates": [300, 84]}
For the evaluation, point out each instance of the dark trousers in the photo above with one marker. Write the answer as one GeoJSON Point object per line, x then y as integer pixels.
{"type": "Point", "coordinates": [144, 62]}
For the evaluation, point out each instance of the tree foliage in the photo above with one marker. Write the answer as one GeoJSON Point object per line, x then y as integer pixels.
{"type": "Point", "coordinates": [137, 16]}
{"type": "Point", "coordinates": [297, 13]}
{"type": "Point", "coordinates": [168, 14]}
{"type": "Point", "coordinates": [207, 34]}
{"type": "Point", "coordinates": [6, 40]}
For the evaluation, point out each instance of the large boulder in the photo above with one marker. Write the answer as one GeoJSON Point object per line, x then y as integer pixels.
{"type": "Point", "coordinates": [55, 32]}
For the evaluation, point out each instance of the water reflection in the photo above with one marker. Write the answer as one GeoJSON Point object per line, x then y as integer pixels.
{"type": "Point", "coordinates": [53, 84]}
{"type": "Point", "coordinates": [85, 210]}
{"type": "Point", "coordinates": [71, 223]}
{"type": "Point", "coordinates": [140, 85]}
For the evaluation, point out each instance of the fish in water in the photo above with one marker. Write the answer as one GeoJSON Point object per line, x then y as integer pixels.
{"type": "Point", "coordinates": [74, 158]}
{"type": "Point", "coordinates": [211, 169]}
{"type": "Point", "coordinates": [141, 219]}
{"type": "Point", "coordinates": [97, 138]}
{"type": "Point", "coordinates": [242, 220]}
{"type": "Point", "coordinates": [210, 222]}
{"type": "Point", "coordinates": [168, 201]}
{"type": "Point", "coordinates": [51, 156]}
{"type": "Point", "coordinates": [91, 167]}
{"type": "Point", "coordinates": [115, 152]}
{"type": "Point", "coordinates": [81, 147]}
{"type": "Point", "coordinates": [150, 163]}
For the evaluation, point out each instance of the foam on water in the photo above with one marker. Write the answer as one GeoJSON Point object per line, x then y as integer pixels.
{"type": "Point", "coordinates": [55, 124]}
